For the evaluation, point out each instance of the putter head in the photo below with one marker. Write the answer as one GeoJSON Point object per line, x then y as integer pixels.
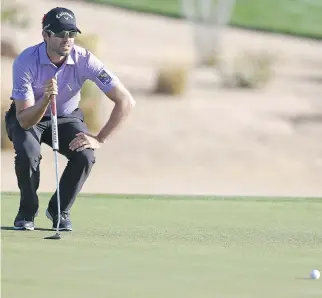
{"type": "Point", "coordinates": [54, 237]}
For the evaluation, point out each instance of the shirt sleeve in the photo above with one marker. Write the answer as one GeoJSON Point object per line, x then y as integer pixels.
{"type": "Point", "coordinates": [22, 80]}
{"type": "Point", "coordinates": [96, 71]}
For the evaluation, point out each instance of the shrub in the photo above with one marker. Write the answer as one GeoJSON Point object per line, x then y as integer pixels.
{"type": "Point", "coordinates": [90, 96]}
{"type": "Point", "coordinates": [172, 80]}
{"type": "Point", "coordinates": [8, 49]}
{"type": "Point", "coordinates": [15, 16]}
{"type": "Point", "coordinates": [249, 70]}
{"type": "Point", "coordinates": [6, 144]}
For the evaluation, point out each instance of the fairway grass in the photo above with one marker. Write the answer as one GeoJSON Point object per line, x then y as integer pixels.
{"type": "Point", "coordinates": [296, 17]}
{"type": "Point", "coordinates": [153, 247]}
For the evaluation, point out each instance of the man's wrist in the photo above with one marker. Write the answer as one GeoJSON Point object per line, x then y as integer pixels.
{"type": "Point", "coordinates": [100, 139]}
{"type": "Point", "coordinates": [46, 99]}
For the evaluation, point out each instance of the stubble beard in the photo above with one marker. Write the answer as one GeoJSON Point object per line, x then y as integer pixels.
{"type": "Point", "coordinates": [63, 53]}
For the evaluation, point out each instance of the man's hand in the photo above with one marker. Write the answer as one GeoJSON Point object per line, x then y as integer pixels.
{"type": "Point", "coordinates": [84, 140]}
{"type": "Point", "coordinates": [50, 88]}
{"type": "Point", "coordinates": [30, 113]}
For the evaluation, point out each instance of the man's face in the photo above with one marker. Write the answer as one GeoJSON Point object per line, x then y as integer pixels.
{"type": "Point", "coordinates": [61, 45]}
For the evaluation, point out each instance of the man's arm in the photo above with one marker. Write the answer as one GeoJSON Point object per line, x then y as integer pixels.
{"type": "Point", "coordinates": [113, 88]}
{"type": "Point", "coordinates": [27, 112]}
{"type": "Point", "coordinates": [124, 104]}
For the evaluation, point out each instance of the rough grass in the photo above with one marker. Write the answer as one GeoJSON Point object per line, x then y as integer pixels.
{"type": "Point", "coordinates": [149, 246]}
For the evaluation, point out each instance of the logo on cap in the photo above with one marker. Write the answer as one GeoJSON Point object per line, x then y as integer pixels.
{"type": "Point", "coordinates": [65, 15]}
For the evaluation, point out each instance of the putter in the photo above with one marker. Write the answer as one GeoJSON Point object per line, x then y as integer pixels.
{"type": "Point", "coordinates": [54, 130]}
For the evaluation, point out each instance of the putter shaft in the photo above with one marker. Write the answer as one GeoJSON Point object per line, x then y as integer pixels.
{"type": "Point", "coordinates": [55, 144]}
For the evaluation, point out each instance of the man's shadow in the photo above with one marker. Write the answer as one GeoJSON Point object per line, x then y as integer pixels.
{"type": "Point", "coordinates": [6, 228]}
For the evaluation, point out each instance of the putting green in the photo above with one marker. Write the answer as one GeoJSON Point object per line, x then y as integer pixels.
{"type": "Point", "coordinates": [167, 247]}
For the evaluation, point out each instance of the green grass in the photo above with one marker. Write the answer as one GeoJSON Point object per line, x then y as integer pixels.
{"type": "Point", "coordinates": [133, 246]}
{"type": "Point", "coordinates": [296, 17]}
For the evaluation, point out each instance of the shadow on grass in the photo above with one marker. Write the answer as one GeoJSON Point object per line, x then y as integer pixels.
{"type": "Point", "coordinates": [6, 228]}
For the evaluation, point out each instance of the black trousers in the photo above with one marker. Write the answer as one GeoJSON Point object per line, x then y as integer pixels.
{"type": "Point", "coordinates": [27, 145]}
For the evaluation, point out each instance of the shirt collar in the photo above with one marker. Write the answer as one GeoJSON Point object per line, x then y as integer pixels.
{"type": "Point", "coordinates": [44, 59]}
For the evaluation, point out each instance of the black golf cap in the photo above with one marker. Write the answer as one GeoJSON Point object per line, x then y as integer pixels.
{"type": "Point", "coordinates": [59, 19]}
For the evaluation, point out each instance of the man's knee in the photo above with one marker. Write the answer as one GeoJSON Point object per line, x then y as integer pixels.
{"type": "Point", "coordinates": [26, 144]}
{"type": "Point", "coordinates": [28, 153]}
{"type": "Point", "coordinates": [28, 159]}
{"type": "Point", "coordinates": [85, 158]}
{"type": "Point", "coordinates": [27, 166]}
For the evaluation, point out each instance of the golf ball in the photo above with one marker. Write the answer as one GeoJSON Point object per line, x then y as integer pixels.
{"type": "Point", "coordinates": [315, 274]}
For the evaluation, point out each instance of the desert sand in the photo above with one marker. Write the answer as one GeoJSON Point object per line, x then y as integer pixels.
{"type": "Point", "coordinates": [211, 140]}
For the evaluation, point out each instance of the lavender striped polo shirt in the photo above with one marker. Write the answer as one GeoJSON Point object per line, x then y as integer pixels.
{"type": "Point", "coordinates": [32, 68]}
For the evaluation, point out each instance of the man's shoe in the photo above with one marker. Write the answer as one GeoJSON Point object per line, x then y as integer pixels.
{"type": "Point", "coordinates": [65, 223]}
{"type": "Point", "coordinates": [24, 223]}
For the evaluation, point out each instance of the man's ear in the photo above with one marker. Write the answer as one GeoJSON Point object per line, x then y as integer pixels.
{"type": "Point", "coordinates": [45, 35]}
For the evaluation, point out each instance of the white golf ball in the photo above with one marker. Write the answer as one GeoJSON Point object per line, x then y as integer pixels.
{"type": "Point", "coordinates": [315, 274]}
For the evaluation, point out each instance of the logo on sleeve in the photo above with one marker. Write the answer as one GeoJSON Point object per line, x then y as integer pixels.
{"type": "Point", "coordinates": [104, 77]}
{"type": "Point", "coordinates": [21, 90]}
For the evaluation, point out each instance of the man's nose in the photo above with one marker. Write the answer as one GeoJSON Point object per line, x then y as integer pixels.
{"type": "Point", "coordinates": [66, 37]}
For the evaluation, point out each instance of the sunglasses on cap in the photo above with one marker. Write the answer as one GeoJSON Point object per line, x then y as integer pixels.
{"type": "Point", "coordinates": [63, 34]}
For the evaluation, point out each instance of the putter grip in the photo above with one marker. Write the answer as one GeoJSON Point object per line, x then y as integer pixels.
{"type": "Point", "coordinates": [54, 128]}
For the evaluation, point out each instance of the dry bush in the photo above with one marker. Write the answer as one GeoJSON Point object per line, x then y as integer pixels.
{"type": "Point", "coordinates": [210, 59]}
{"type": "Point", "coordinates": [88, 41]}
{"type": "Point", "coordinates": [91, 107]}
{"type": "Point", "coordinates": [213, 59]}
{"type": "Point", "coordinates": [90, 95]}
{"type": "Point", "coordinates": [8, 49]}
{"type": "Point", "coordinates": [15, 15]}
{"type": "Point", "coordinates": [6, 144]}
{"type": "Point", "coordinates": [249, 70]}
{"type": "Point", "coordinates": [172, 80]}
{"type": "Point", "coordinates": [6, 89]}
